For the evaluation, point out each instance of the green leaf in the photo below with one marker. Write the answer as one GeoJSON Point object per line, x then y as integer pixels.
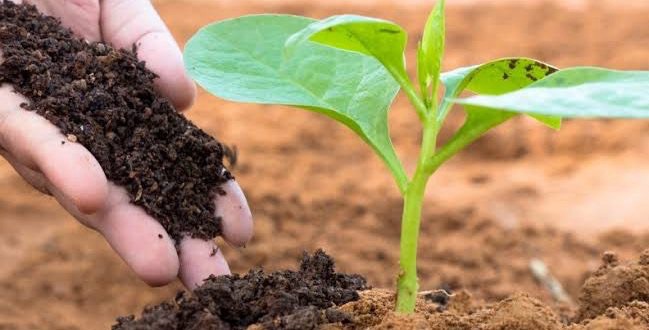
{"type": "Point", "coordinates": [422, 75]}
{"type": "Point", "coordinates": [495, 78]}
{"type": "Point", "coordinates": [243, 60]}
{"type": "Point", "coordinates": [383, 40]}
{"type": "Point", "coordinates": [577, 92]}
{"type": "Point", "coordinates": [432, 49]}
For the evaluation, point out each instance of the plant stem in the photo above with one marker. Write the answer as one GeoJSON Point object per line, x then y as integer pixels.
{"type": "Point", "coordinates": [429, 161]}
{"type": "Point", "coordinates": [413, 194]}
{"type": "Point", "coordinates": [407, 284]}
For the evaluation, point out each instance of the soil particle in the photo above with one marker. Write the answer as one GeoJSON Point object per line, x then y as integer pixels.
{"type": "Point", "coordinates": [104, 99]}
{"type": "Point", "coordinates": [440, 297]}
{"type": "Point", "coordinates": [301, 299]}
{"type": "Point", "coordinates": [614, 284]}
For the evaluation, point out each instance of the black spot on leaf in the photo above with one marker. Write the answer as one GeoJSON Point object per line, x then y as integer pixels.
{"type": "Point", "coordinates": [390, 31]}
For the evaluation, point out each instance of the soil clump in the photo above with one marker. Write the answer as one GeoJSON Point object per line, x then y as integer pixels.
{"type": "Point", "coordinates": [301, 299]}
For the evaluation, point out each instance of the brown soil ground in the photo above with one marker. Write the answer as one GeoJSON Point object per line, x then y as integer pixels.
{"type": "Point", "coordinates": [522, 194]}
{"type": "Point", "coordinates": [616, 296]}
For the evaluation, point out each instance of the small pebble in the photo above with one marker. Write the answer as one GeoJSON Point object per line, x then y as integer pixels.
{"type": "Point", "coordinates": [72, 138]}
{"type": "Point", "coordinates": [610, 258]}
{"type": "Point", "coordinates": [101, 48]}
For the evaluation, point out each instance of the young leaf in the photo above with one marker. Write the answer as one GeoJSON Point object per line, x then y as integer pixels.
{"type": "Point", "coordinates": [432, 49]}
{"type": "Point", "coordinates": [422, 75]}
{"type": "Point", "coordinates": [242, 60]}
{"type": "Point", "coordinates": [383, 40]}
{"type": "Point", "coordinates": [495, 78]}
{"type": "Point", "coordinates": [577, 92]}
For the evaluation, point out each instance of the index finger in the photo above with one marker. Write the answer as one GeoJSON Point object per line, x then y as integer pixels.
{"type": "Point", "coordinates": [128, 22]}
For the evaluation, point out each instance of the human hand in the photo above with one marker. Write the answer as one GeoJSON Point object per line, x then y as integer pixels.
{"type": "Point", "coordinates": [71, 174]}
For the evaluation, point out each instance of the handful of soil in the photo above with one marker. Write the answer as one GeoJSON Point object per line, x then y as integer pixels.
{"type": "Point", "coordinates": [104, 98]}
{"type": "Point", "coordinates": [302, 299]}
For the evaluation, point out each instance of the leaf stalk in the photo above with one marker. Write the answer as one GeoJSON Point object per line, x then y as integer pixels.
{"type": "Point", "coordinates": [411, 93]}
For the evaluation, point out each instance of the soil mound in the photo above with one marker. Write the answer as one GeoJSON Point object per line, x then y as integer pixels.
{"type": "Point", "coordinates": [301, 299]}
{"type": "Point", "coordinates": [104, 99]}
{"type": "Point", "coordinates": [633, 316]}
{"type": "Point", "coordinates": [614, 285]}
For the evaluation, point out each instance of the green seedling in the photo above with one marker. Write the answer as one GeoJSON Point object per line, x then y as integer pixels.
{"type": "Point", "coordinates": [350, 68]}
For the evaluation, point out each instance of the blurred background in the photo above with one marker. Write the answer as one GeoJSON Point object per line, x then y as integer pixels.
{"type": "Point", "coordinates": [523, 192]}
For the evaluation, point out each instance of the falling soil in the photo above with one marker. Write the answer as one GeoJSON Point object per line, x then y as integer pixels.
{"type": "Point", "coordinates": [301, 299]}
{"type": "Point", "coordinates": [104, 99]}
{"type": "Point", "coordinates": [615, 297]}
